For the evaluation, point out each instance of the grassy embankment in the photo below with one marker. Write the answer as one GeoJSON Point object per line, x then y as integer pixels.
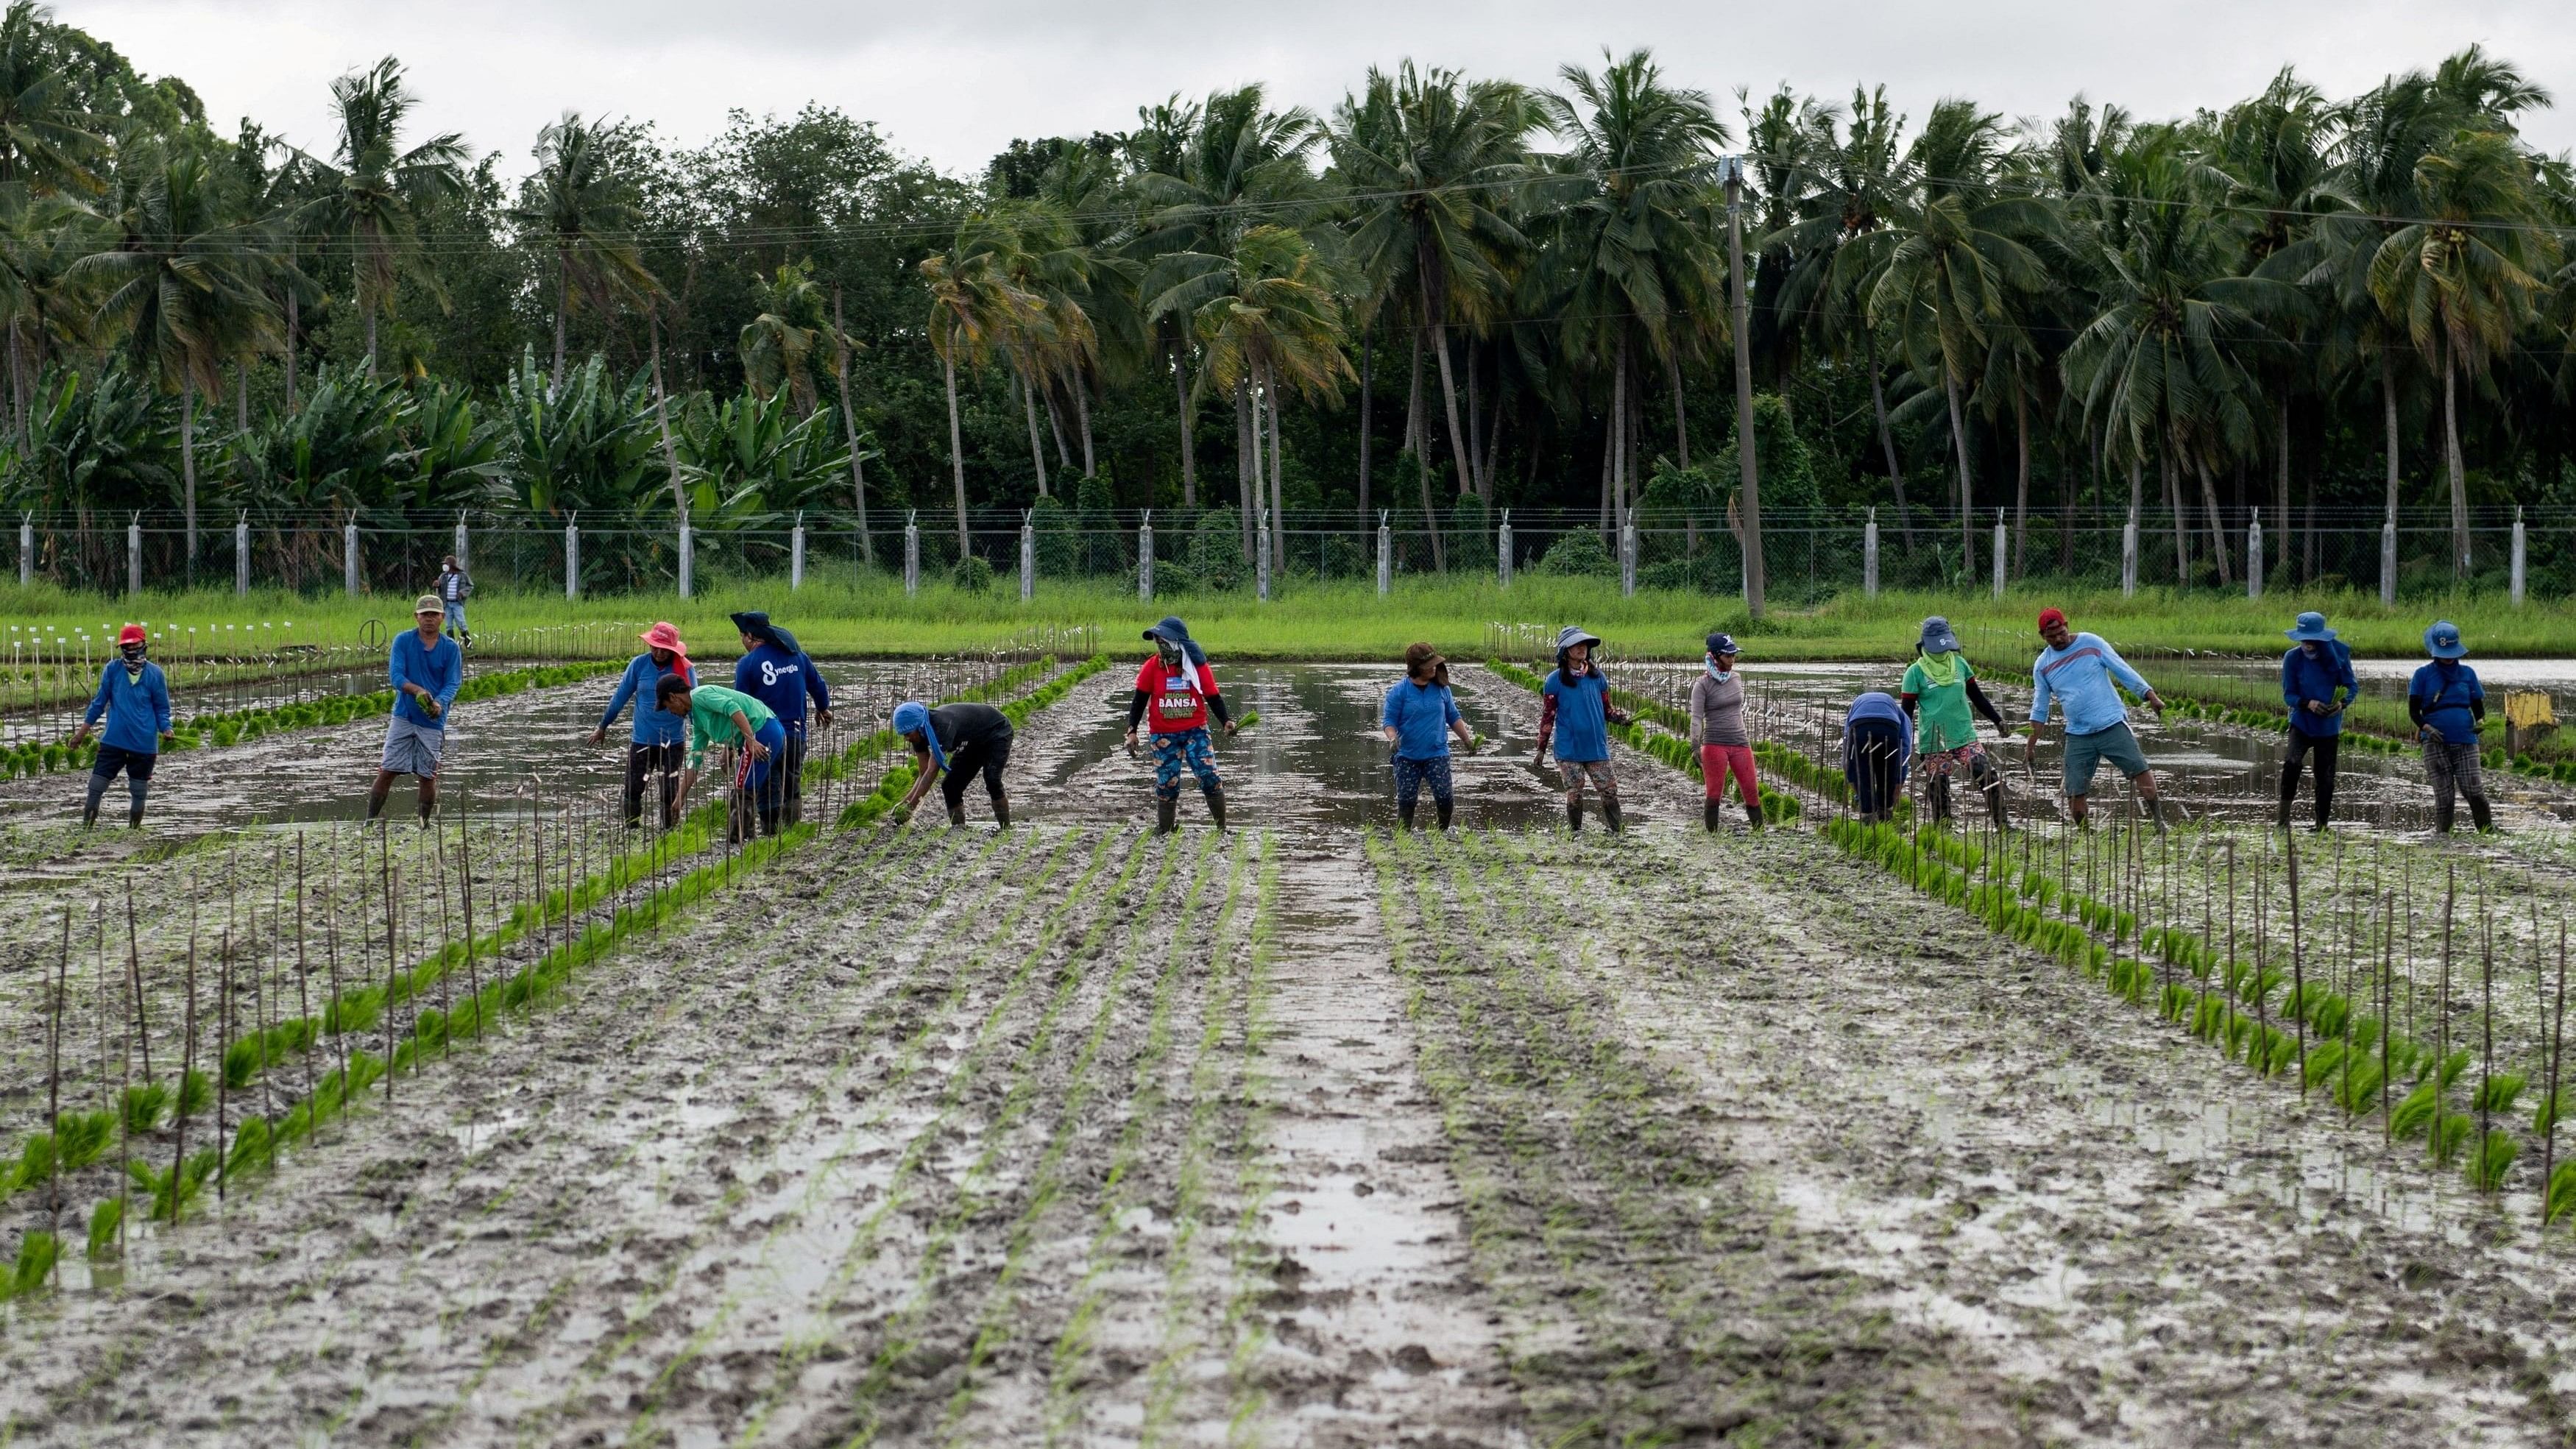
{"type": "Point", "coordinates": [847, 615]}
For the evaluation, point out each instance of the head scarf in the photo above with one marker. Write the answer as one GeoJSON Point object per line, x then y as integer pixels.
{"type": "Point", "coordinates": [913, 715]}
{"type": "Point", "coordinates": [1942, 670]}
{"type": "Point", "coordinates": [756, 624]}
{"type": "Point", "coordinates": [1170, 630]}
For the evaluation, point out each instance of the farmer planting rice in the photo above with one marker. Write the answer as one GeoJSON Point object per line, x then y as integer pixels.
{"type": "Point", "coordinates": [427, 668]}
{"type": "Point", "coordinates": [720, 716]}
{"type": "Point", "coordinates": [1939, 689]}
{"type": "Point", "coordinates": [951, 745]}
{"type": "Point", "coordinates": [2317, 684]}
{"type": "Point", "coordinates": [1717, 727]}
{"type": "Point", "coordinates": [776, 672]}
{"type": "Point", "coordinates": [655, 748]}
{"type": "Point", "coordinates": [2078, 671]}
{"type": "Point", "coordinates": [2447, 703]}
{"type": "Point", "coordinates": [1419, 717]}
{"type": "Point", "coordinates": [1577, 711]}
{"type": "Point", "coordinates": [136, 701]}
{"type": "Point", "coordinates": [1876, 749]}
{"type": "Point", "coordinates": [1175, 694]}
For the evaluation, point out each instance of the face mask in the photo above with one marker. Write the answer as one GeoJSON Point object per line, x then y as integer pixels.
{"type": "Point", "coordinates": [1171, 658]}
{"type": "Point", "coordinates": [133, 653]}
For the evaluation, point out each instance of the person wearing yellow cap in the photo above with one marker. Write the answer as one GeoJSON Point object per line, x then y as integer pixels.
{"type": "Point", "coordinates": [427, 668]}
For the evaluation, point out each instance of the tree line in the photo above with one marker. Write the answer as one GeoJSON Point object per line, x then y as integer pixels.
{"type": "Point", "coordinates": [1445, 295]}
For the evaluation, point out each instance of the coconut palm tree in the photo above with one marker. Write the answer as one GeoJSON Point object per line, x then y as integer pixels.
{"type": "Point", "coordinates": [779, 346]}
{"type": "Point", "coordinates": [372, 188]}
{"type": "Point", "coordinates": [178, 282]}
{"type": "Point", "coordinates": [973, 307]}
{"type": "Point", "coordinates": [581, 205]}
{"type": "Point", "coordinates": [47, 139]}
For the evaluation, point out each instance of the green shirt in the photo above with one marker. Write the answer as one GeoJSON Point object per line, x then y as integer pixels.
{"type": "Point", "coordinates": [1941, 715]}
{"type": "Point", "coordinates": [711, 711]}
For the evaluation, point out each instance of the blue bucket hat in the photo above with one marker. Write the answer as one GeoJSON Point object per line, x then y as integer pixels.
{"type": "Point", "coordinates": [1938, 636]}
{"type": "Point", "coordinates": [913, 715]}
{"type": "Point", "coordinates": [1571, 635]}
{"type": "Point", "coordinates": [2442, 641]}
{"type": "Point", "coordinates": [2311, 629]}
{"type": "Point", "coordinates": [1722, 642]}
{"type": "Point", "coordinates": [1170, 630]}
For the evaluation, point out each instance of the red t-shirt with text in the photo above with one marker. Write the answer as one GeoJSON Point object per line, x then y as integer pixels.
{"type": "Point", "coordinates": [1175, 700]}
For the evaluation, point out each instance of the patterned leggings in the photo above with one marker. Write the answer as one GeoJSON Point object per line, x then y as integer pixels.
{"type": "Point", "coordinates": [2455, 768]}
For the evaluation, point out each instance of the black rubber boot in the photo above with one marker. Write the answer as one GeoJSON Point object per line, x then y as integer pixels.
{"type": "Point", "coordinates": [135, 790]}
{"type": "Point", "coordinates": [1938, 793]}
{"type": "Point", "coordinates": [2155, 806]}
{"type": "Point", "coordinates": [1002, 811]}
{"type": "Point", "coordinates": [1753, 812]}
{"type": "Point", "coordinates": [957, 816]}
{"type": "Point", "coordinates": [1166, 815]}
{"type": "Point", "coordinates": [1574, 817]}
{"type": "Point", "coordinates": [1610, 812]}
{"type": "Point", "coordinates": [1995, 807]}
{"type": "Point", "coordinates": [2281, 816]}
{"type": "Point", "coordinates": [1404, 815]}
{"type": "Point", "coordinates": [1216, 805]}
{"type": "Point", "coordinates": [2480, 813]}
{"type": "Point", "coordinates": [89, 808]}
{"type": "Point", "coordinates": [1708, 815]}
{"type": "Point", "coordinates": [1446, 808]}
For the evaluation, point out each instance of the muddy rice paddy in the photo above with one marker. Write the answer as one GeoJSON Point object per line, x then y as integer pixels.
{"type": "Point", "coordinates": [1305, 1133]}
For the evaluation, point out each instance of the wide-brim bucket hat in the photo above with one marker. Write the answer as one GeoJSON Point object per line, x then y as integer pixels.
{"type": "Point", "coordinates": [2311, 629]}
{"type": "Point", "coordinates": [1938, 637]}
{"type": "Point", "coordinates": [2442, 641]}
{"type": "Point", "coordinates": [1571, 635]}
{"type": "Point", "coordinates": [664, 635]}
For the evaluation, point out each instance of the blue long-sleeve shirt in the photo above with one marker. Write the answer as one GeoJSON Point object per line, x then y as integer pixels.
{"type": "Point", "coordinates": [137, 709]}
{"type": "Point", "coordinates": [438, 668]}
{"type": "Point", "coordinates": [1883, 707]}
{"type": "Point", "coordinates": [782, 681]}
{"type": "Point", "coordinates": [652, 726]}
{"type": "Point", "coordinates": [2319, 678]}
{"type": "Point", "coordinates": [2079, 677]}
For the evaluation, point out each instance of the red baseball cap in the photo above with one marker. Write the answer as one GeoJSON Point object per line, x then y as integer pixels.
{"type": "Point", "coordinates": [2052, 616]}
{"type": "Point", "coordinates": [130, 634]}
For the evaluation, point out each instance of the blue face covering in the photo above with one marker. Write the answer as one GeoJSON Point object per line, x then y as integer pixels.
{"type": "Point", "coordinates": [912, 715]}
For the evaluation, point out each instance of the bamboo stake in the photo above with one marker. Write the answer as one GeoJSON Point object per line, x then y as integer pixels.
{"type": "Point", "coordinates": [223, 1068]}
{"type": "Point", "coordinates": [2442, 1007]}
{"type": "Point", "coordinates": [303, 973]}
{"type": "Point", "coordinates": [2486, 1014]}
{"type": "Point", "coordinates": [54, 1074]}
{"type": "Point", "coordinates": [187, 1062]}
{"type": "Point", "coordinates": [2557, 1051]}
{"type": "Point", "coordinates": [134, 969]}
{"type": "Point", "coordinates": [465, 888]}
{"type": "Point", "coordinates": [385, 862]}
{"type": "Point", "coordinates": [2298, 964]}
{"type": "Point", "coordinates": [2387, 1010]}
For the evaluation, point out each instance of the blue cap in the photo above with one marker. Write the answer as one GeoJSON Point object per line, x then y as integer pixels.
{"type": "Point", "coordinates": [2442, 641]}
{"type": "Point", "coordinates": [1722, 642]}
{"type": "Point", "coordinates": [2311, 629]}
{"type": "Point", "coordinates": [1939, 637]}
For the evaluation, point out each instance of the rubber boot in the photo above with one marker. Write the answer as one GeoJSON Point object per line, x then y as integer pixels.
{"type": "Point", "coordinates": [1708, 815]}
{"type": "Point", "coordinates": [1753, 813]}
{"type": "Point", "coordinates": [1610, 812]}
{"type": "Point", "coordinates": [1216, 804]}
{"type": "Point", "coordinates": [1002, 811]}
{"type": "Point", "coordinates": [1995, 807]}
{"type": "Point", "coordinates": [2281, 816]}
{"type": "Point", "coordinates": [1574, 817]}
{"type": "Point", "coordinates": [1404, 815]}
{"type": "Point", "coordinates": [957, 816]}
{"type": "Point", "coordinates": [1446, 808]}
{"type": "Point", "coordinates": [135, 791]}
{"type": "Point", "coordinates": [2481, 814]}
{"type": "Point", "coordinates": [1166, 814]}
{"type": "Point", "coordinates": [2156, 812]}
{"type": "Point", "coordinates": [89, 808]}
{"type": "Point", "coordinates": [2443, 812]}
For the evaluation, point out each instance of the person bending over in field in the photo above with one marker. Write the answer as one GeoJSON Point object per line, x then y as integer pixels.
{"type": "Point", "coordinates": [659, 741]}
{"type": "Point", "coordinates": [2447, 704]}
{"type": "Point", "coordinates": [1175, 694]}
{"type": "Point", "coordinates": [1938, 690]}
{"type": "Point", "coordinates": [136, 700]}
{"type": "Point", "coordinates": [2078, 671]}
{"type": "Point", "coordinates": [1876, 750]}
{"type": "Point", "coordinates": [1419, 717]}
{"type": "Point", "coordinates": [1717, 727]}
{"type": "Point", "coordinates": [427, 668]}
{"type": "Point", "coordinates": [951, 745]}
{"type": "Point", "coordinates": [779, 674]}
{"type": "Point", "coordinates": [2317, 684]}
{"type": "Point", "coordinates": [1577, 711]}
{"type": "Point", "coordinates": [721, 716]}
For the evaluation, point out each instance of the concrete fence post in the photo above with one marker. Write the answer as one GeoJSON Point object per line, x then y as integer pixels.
{"type": "Point", "coordinates": [1385, 555]}
{"type": "Point", "coordinates": [2003, 546]}
{"type": "Point", "coordinates": [349, 556]}
{"type": "Point", "coordinates": [796, 553]}
{"type": "Point", "coordinates": [1261, 557]}
{"type": "Point", "coordinates": [134, 553]}
{"type": "Point", "coordinates": [1028, 555]}
{"type": "Point", "coordinates": [2519, 556]}
{"type": "Point", "coordinates": [1628, 560]}
{"type": "Point", "coordinates": [2254, 556]}
{"type": "Point", "coordinates": [1503, 552]}
{"type": "Point", "coordinates": [2388, 561]}
{"type": "Point", "coordinates": [462, 561]}
{"type": "Point", "coordinates": [1869, 556]}
{"type": "Point", "coordinates": [26, 551]}
{"type": "Point", "coordinates": [241, 556]}
{"type": "Point", "coordinates": [2129, 556]}
{"type": "Point", "coordinates": [572, 559]}
{"type": "Point", "coordinates": [911, 554]}
{"type": "Point", "coordinates": [1145, 559]}
{"type": "Point", "coordinates": [688, 556]}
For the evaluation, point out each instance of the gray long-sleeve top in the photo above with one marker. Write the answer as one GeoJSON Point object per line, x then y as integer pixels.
{"type": "Point", "coordinates": [1717, 710]}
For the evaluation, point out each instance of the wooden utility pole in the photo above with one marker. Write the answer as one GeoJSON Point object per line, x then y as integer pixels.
{"type": "Point", "coordinates": [1752, 475]}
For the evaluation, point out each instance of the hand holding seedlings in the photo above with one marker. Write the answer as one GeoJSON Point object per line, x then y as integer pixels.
{"type": "Point", "coordinates": [1178, 688]}
{"type": "Point", "coordinates": [720, 716]}
{"type": "Point", "coordinates": [426, 668]}
{"type": "Point", "coordinates": [951, 745]}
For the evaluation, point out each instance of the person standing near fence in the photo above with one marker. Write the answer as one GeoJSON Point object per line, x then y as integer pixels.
{"type": "Point", "coordinates": [1876, 748]}
{"type": "Point", "coordinates": [720, 716]}
{"type": "Point", "coordinates": [1939, 689]}
{"type": "Point", "coordinates": [135, 698]}
{"type": "Point", "coordinates": [455, 586]}
{"type": "Point", "coordinates": [1418, 719]}
{"type": "Point", "coordinates": [427, 668]}
{"type": "Point", "coordinates": [951, 745]}
{"type": "Point", "coordinates": [1175, 694]}
{"type": "Point", "coordinates": [1575, 709]}
{"type": "Point", "coordinates": [657, 747]}
{"type": "Point", "coordinates": [776, 672]}
{"type": "Point", "coordinates": [2317, 684]}
{"type": "Point", "coordinates": [2447, 704]}
{"type": "Point", "coordinates": [1717, 727]}
{"type": "Point", "coordinates": [2079, 671]}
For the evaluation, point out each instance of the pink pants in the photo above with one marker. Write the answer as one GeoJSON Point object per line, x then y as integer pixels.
{"type": "Point", "coordinates": [1716, 760]}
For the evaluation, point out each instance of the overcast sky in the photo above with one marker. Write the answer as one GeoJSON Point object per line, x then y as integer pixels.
{"type": "Point", "coordinates": [954, 83]}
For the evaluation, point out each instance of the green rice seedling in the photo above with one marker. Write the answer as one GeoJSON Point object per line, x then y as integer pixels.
{"type": "Point", "coordinates": [37, 1254]}
{"type": "Point", "coordinates": [2544, 1114]}
{"type": "Point", "coordinates": [106, 1227]}
{"type": "Point", "coordinates": [144, 1105]}
{"type": "Point", "coordinates": [196, 1093]}
{"type": "Point", "coordinates": [2323, 1059]}
{"type": "Point", "coordinates": [2449, 1136]}
{"type": "Point", "coordinates": [80, 1137]}
{"type": "Point", "coordinates": [2499, 1092]}
{"type": "Point", "coordinates": [2259, 985]}
{"type": "Point", "coordinates": [2176, 1001]}
{"type": "Point", "coordinates": [2130, 980]}
{"type": "Point", "coordinates": [35, 1162]}
{"type": "Point", "coordinates": [172, 1189]}
{"type": "Point", "coordinates": [2452, 1065]}
{"type": "Point", "coordinates": [2560, 1196]}
{"type": "Point", "coordinates": [2356, 1087]}
{"type": "Point", "coordinates": [1250, 718]}
{"type": "Point", "coordinates": [2492, 1159]}
{"type": "Point", "coordinates": [254, 1148]}
{"type": "Point", "coordinates": [2415, 1114]}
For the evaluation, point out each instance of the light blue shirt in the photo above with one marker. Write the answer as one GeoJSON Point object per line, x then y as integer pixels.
{"type": "Point", "coordinates": [2079, 677]}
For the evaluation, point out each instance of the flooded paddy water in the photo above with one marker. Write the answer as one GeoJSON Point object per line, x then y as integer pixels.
{"type": "Point", "coordinates": [1301, 1133]}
